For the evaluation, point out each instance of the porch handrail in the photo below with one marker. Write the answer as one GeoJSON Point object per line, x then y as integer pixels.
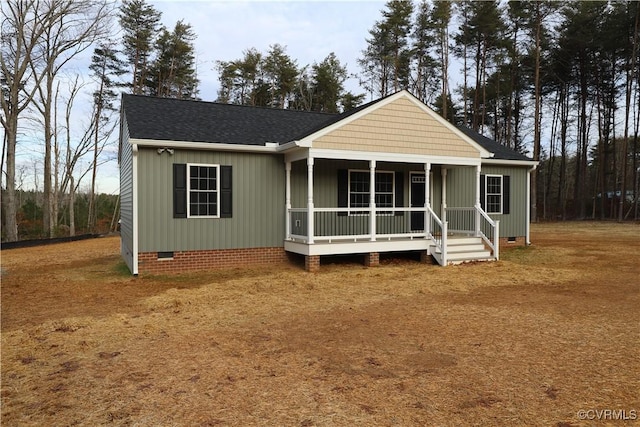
{"type": "Point", "coordinates": [351, 223]}
{"type": "Point", "coordinates": [438, 234]}
{"type": "Point", "coordinates": [493, 241]}
{"type": "Point", "coordinates": [461, 220]}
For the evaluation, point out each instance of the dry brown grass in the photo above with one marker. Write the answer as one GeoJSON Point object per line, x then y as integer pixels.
{"type": "Point", "coordinates": [549, 330]}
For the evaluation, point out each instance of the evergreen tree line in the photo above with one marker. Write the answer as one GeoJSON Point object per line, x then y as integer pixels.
{"type": "Point", "coordinates": [30, 215]}
{"type": "Point", "coordinates": [555, 80]}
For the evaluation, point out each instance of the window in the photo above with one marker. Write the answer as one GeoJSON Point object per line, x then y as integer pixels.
{"type": "Point", "coordinates": [360, 189]}
{"type": "Point", "coordinates": [495, 193]}
{"type": "Point", "coordinates": [204, 196]}
{"type": "Point", "coordinates": [202, 191]}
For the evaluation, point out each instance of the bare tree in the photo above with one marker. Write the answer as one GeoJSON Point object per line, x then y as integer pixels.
{"type": "Point", "coordinates": [20, 32]}
{"type": "Point", "coordinates": [70, 27]}
{"type": "Point", "coordinates": [73, 154]}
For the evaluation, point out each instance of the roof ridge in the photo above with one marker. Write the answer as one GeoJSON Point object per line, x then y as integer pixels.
{"type": "Point", "coordinates": [199, 101]}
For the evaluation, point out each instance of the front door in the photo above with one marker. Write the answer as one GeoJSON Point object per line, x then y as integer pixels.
{"type": "Point", "coordinates": [417, 200]}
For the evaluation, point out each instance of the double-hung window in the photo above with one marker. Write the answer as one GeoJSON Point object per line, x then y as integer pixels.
{"type": "Point", "coordinates": [495, 193]}
{"type": "Point", "coordinates": [360, 190]}
{"type": "Point", "coordinates": [203, 190]}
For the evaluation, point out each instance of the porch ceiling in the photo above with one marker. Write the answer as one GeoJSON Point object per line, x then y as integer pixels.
{"type": "Point", "coordinates": [318, 153]}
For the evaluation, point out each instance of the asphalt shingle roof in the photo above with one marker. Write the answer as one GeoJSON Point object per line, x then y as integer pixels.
{"type": "Point", "coordinates": [197, 121]}
{"type": "Point", "coordinates": [171, 119]}
{"type": "Point", "coordinates": [500, 152]}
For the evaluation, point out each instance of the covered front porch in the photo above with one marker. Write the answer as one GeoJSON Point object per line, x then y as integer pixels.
{"type": "Point", "coordinates": [370, 203]}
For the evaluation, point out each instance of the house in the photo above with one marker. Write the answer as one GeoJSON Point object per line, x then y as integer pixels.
{"type": "Point", "coordinates": [206, 184]}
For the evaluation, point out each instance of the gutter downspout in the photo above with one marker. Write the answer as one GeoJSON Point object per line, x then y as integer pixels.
{"type": "Point", "coordinates": [528, 210]}
{"type": "Point", "coordinates": [134, 207]}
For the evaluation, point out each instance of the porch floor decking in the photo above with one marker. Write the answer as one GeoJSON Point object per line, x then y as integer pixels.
{"type": "Point", "coordinates": [460, 248]}
{"type": "Point", "coordinates": [357, 246]}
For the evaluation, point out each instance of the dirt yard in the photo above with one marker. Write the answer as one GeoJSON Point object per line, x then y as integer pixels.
{"type": "Point", "coordinates": [548, 336]}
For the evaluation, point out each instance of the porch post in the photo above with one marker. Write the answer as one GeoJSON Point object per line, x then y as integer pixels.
{"type": "Point", "coordinates": [310, 230]}
{"type": "Point", "coordinates": [427, 200]}
{"type": "Point", "coordinates": [444, 194]}
{"type": "Point", "coordinates": [372, 199]}
{"type": "Point", "coordinates": [287, 199]}
{"type": "Point", "coordinates": [477, 204]}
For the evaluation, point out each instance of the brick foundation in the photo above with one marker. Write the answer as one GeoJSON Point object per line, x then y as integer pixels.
{"type": "Point", "coordinates": [372, 259]}
{"type": "Point", "coordinates": [312, 263]}
{"type": "Point", "coordinates": [148, 262]}
{"type": "Point", "coordinates": [505, 243]}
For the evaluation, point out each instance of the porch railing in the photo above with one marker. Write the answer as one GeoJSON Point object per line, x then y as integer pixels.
{"type": "Point", "coordinates": [475, 221]}
{"type": "Point", "coordinates": [489, 230]}
{"type": "Point", "coordinates": [438, 231]}
{"type": "Point", "coordinates": [355, 224]}
{"type": "Point", "coordinates": [462, 220]}
{"type": "Point", "coordinates": [341, 224]}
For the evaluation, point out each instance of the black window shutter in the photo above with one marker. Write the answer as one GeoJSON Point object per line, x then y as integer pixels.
{"type": "Point", "coordinates": [506, 194]}
{"type": "Point", "coordinates": [179, 190]}
{"type": "Point", "coordinates": [343, 190]}
{"type": "Point", "coordinates": [226, 192]}
{"type": "Point", "coordinates": [399, 202]}
{"type": "Point", "coordinates": [482, 191]}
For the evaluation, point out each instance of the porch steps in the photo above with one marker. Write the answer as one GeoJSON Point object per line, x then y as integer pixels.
{"type": "Point", "coordinates": [463, 249]}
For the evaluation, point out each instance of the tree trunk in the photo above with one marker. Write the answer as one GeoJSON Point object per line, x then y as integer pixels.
{"type": "Point", "coordinates": [444, 48]}
{"type": "Point", "coordinates": [9, 196]}
{"type": "Point", "coordinates": [91, 220]}
{"type": "Point", "coordinates": [564, 117]}
{"type": "Point", "coordinates": [47, 208]}
{"type": "Point", "coordinates": [114, 224]}
{"type": "Point", "coordinates": [536, 119]}
{"type": "Point", "coordinates": [629, 84]}
{"type": "Point", "coordinates": [72, 209]}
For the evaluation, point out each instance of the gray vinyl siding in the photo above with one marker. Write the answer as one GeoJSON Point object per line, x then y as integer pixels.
{"type": "Point", "coordinates": [258, 203]}
{"type": "Point", "coordinates": [325, 180]}
{"type": "Point", "coordinates": [515, 223]}
{"type": "Point", "coordinates": [126, 196]}
{"type": "Point", "coordinates": [461, 186]}
{"type": "Point", "coordinates": [461, 192]}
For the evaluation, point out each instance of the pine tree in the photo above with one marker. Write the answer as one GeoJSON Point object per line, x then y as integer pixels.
{"type": "Point", "coordinates": [481, 35]}
{"type": "Point", "coordinates": [140, 23]}
{"type": "Point", "coordinates": [350, 101]}
{"type": "Point", "coordinates": [441, 18]}
{"type": "Point", "coordinates": [281, 73]}
{"type": "Point", "coordinates": [328, 84]}
{"type": "Point", "coordinates": [239, 79]}
{"type": "Point", "coordinates": [424, 79]}
{"type": "Point", "coordinates": [106, 68]}
{"type": "Point", "coordinates": [173, 73]}
{"type": "Point", "coordinates": [386, 61]}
